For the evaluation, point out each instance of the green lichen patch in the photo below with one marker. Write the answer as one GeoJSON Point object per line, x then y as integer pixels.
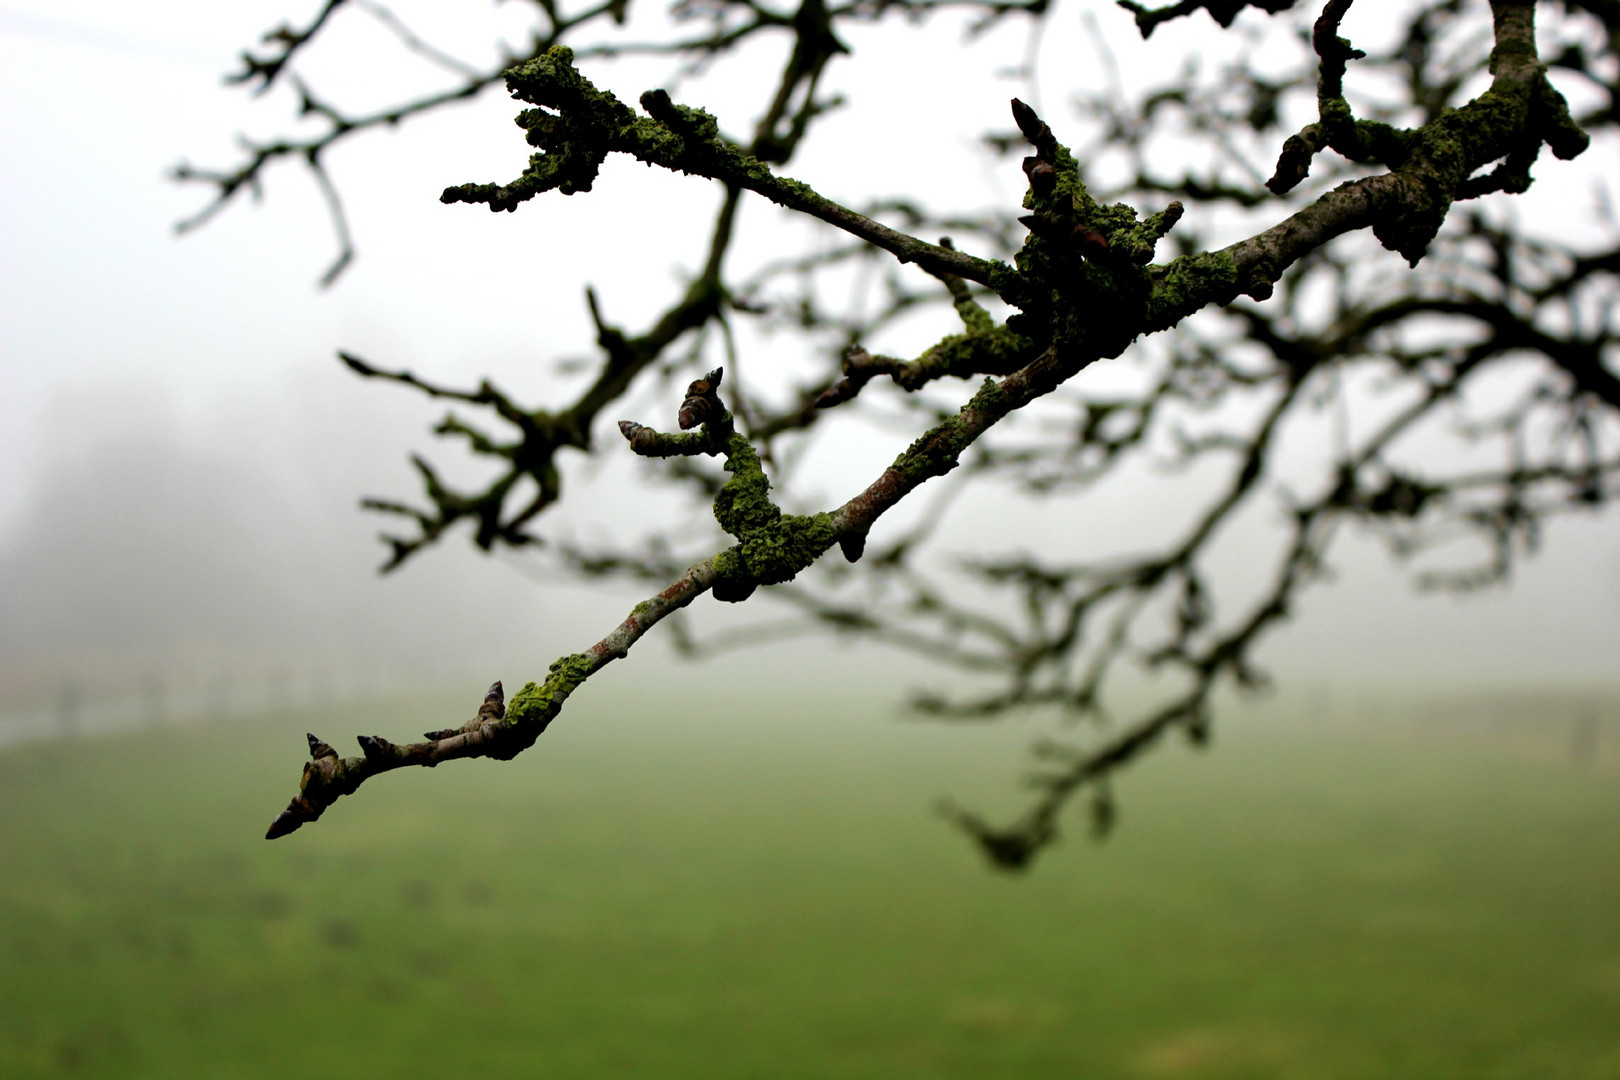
{"type": "Point", "coordinates": [729, 566]}
{"type": "Point", "coordinates": [538, 702]}
{"type": "Point", "coordinates": [989, 399]}
{"type": "Point", "coordinates": [995, 350]}
{"type": "Point", "coordinates": [528, 704]}
{"type": "Point", "coordinates": [744, 503]}
{"type": "Point", "coordinates": [772, 546]}
{"type": "Point", "coordinates": [1082, 284]}
{"type": "Point", "coordinates": [575, 127]}
{"type": "Point", "coordinates": [777, 553]}
{"type": "Point", "coordinates": [974, 317]}
{"type": "Point", "coordinates": [939, 451]}
{"type": "Point", "coordinates": [1189, 283]}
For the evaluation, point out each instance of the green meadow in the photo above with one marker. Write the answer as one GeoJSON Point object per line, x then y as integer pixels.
{"type": "Point", "coordinates": [768, 895]}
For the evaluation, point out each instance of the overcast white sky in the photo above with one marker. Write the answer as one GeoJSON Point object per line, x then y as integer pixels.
{"type": "Point", "coordinates": [160, 397]}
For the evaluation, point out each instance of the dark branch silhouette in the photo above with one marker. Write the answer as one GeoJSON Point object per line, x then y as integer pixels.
{"type": "Point", "coordinates": [1313, 379]}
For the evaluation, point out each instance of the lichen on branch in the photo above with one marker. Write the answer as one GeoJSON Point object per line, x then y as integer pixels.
{"type": "Point", "coordinates": [577, 125]}
{"type": "Point", "coordinates": [1083, 285]}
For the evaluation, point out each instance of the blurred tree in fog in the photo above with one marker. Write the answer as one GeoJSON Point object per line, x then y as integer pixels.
{"type": "Point", "coordinates": [1299, 274]}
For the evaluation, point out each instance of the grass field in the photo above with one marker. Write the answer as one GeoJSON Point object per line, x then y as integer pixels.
{"type": "Point", "coordinates": [769, 897]}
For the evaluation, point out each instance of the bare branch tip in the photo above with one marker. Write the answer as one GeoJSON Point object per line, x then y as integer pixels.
{"type": "Point", "coordinates": [284, 823]}
{"type": "Point", "coordinates": [374, 746]}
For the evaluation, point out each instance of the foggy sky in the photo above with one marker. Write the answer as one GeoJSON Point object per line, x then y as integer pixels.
{"type": "Point", "coordinates": [181, 458]}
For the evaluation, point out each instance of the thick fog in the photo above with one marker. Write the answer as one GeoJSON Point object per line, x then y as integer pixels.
{"type": "Point", "coordinates": [181, 456]}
